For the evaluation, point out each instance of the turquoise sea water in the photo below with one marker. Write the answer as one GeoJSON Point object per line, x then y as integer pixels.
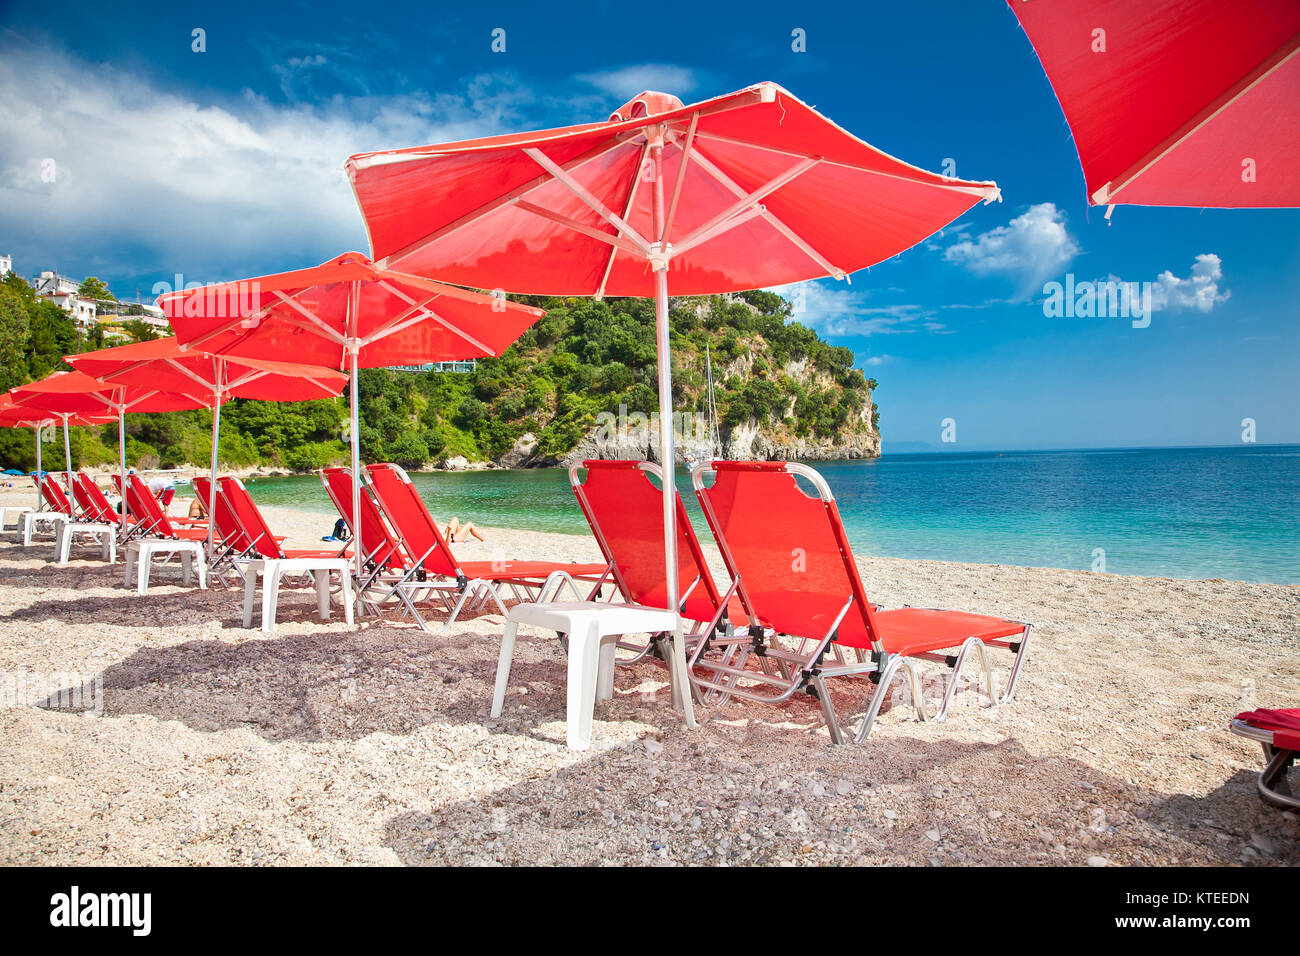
{"type": "Point", "coordinates": [1183, 512]}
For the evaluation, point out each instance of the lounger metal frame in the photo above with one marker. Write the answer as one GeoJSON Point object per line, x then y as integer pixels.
{"type": "Point", "coordinates": [1272, 780]}
{"type": "Point", "coordinates": [804, 668]}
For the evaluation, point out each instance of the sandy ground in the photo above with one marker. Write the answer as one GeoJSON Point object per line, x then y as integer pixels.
{"type": "Point", "coordinates": [327, 744]}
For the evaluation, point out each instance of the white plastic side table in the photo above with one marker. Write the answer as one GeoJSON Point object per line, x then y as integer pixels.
{"type": "Point", "coordinates": [593, 628]}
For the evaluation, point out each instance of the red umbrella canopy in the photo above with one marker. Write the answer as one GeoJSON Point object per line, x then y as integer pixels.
{"type": "Point", "coordinates": [78, 393]}
{"type": "Point", "coordinates": [1176, 102]}
{"type": "Point", "coordinates": [165, 364]}
{"type": "Point", "coordinates": [311, 315]}
{"type": "Point", "coordinates": [14, 415]}
{"type": "Point", "coordinates": [755, 187]}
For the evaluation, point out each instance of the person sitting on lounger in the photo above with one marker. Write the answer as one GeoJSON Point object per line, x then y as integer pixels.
{"type": "Point", "coordinates": [198, 507]}
{"type": "Point", "coordinates": [461, 532]}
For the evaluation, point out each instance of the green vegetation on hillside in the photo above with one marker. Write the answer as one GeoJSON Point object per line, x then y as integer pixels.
{"type": "Point", "coordinates": [582, 358]}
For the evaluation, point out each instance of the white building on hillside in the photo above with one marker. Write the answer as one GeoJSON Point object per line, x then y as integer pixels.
{"type": "Point", "coordinates": [79, 309]}
{"type": "Point", "coordinates": [51, 283]}
{"type": "Point", "coordinates": [6, 265]}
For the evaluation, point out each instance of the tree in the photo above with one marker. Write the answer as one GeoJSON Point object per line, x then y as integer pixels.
{"type": "Point", "coordinates": [140, 331]}
{"type": "Point", "coordinates": [94, 288]}
{"type": "Point", "coordinates": [14, 330]}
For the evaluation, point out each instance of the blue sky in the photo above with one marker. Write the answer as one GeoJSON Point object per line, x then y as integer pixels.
{"type": "Point", "coordinates": [227, 163]}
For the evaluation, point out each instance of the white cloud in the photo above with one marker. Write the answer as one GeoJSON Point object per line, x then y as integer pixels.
{"type": "Point", "coordinates": [626, 82]}
{"type": "Point", "coordinates": [1199, 291]}
{"type": "Point", "coordinates": [878, 360]}
{"type": "Point", "coordinates": [147, 176]}
{"type": "Point", "coordinates": [1029, 249]}
{"type": "Point", "coordinates": [843, 312]}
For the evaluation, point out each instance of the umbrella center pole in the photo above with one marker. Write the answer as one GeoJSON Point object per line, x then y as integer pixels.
{"type": "Point", "coordinates": [354, 431]}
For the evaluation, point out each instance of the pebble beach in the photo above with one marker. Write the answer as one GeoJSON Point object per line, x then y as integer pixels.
{"type": "Point", "coordinates": [193, 740]}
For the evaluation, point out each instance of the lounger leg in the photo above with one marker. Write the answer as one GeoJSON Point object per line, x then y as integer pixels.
{"type": "Point", "coordinates": [887, 676]}
{"type": "Point", "coordinates": [971, 644]}
{"type": "Point", "coordinates": [250, 595]}
{"type": "Point", "coordinates": [1272, 783]}
{"type": "Point", "coordinates": [828, 710]}
{"type": "Point", "coordinates": [503, 667]}
{"type": "Point", "coordinates": [1015, 668]}
{"type": "Point", "coordinates": [583, 654]}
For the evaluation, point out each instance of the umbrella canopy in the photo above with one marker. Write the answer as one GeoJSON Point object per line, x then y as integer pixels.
{"type": "Point", "coordinates": [69, 394]}
{"type": "Point", "coordinates": [756, 189]}
{"type": "Point", "coordinates": [320, 315]}
{"type": "Point", "coordinates": [746, 190]}
{"type": "Point", "coordinates": [165, 363]}
{"type": "Point", "coordinates": [1176, 102]}
{"type": "Point", "coordinates": [346, 313]}
{"type": "Point", "coordinates": [30, 415]}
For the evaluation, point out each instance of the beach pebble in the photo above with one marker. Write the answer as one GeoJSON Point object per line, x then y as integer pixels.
{"type": "Point", "coordinates": [1098, 861]}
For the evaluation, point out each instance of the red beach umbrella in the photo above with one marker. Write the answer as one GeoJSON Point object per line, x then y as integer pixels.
{"type": "Point", "coordinates": [746, 190]}
{"type": "Point", "coordinates": [13, 415]}
{"type": "Point", "coordinates": [346, 313]}
{"type": "Point", "coordinates": [165, 364]}
{"type": "Point", "coordinates": [1176, 102]}
{"type": "Point", "coordinates": [69, 395]}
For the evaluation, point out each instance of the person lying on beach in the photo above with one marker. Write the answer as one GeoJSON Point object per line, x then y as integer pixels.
{"type": "Point", "coordinates": [340, 532]}
{"type": "Point", "coordinates": [461, 532]}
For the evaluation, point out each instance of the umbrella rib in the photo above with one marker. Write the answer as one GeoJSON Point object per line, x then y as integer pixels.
{"type": "Point", "coordinates": [771, 219]}
{"type": "Point", "coordinates": [408, 317]}
{"type": "Point", "coordinates": [1106, 193]}
{"type": "Point", "coordinates": [987, 193]}
{"type": "Point", "coordinates": [627, 211]}
{"type": "Point", "coordinates": [613, 239]}
{"type": "Point", "coordinates": [681, 175]}
{"type": "Point", "coordinates": [581, 191]}
{"type": "Point", "coordinates": [437, 318]}
{"type": "Point", "coordinates": [744, 209]}
{"type": "Point", "coordinates": [311, 317]}
{"type": "Point", "coordinates": [506, 199]}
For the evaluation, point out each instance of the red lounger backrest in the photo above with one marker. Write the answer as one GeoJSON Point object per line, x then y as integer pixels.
{"type": "Point", "coordinates": [55, 496]}
{"type": "Point", "coordinates": [788, 549]}
{"type": "Point", "coordinates": [93, 503]}
{"type": "Point", "coordinates": [147, 508]}
{"type": "Point", "coordinates": [377, 542]}
{"type": "Point", "coordinates": [411, 519]}
{"type": "Point", "coordinates": [228, 530]}
{"type": "Point", "coordinates": [626, 513]}
{"type": "Point", "coordinates": [251, 523]}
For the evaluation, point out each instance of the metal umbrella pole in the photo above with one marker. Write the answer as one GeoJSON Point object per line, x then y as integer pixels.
{"type": "Point", "coordinates": [40, 501]}
{"type": "Point", "coordinates": [121, 458]}
{"type": "Point", "coordinates": [667, 457]}
{"type": "Point", "coordinates": [354, 347]}
{"type": "Point", "coordinates": [67, 457]}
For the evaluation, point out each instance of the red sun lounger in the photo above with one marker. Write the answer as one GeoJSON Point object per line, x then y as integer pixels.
{"type": "Point", "coordinates": [1278, 732]}
{"type": "Point", "coordinates": [625, 512]}
{"type": "Point", "coordinates": [382, 557]}
{"type": "Point", "coordinates": [152, 517]}
{"type": "Point", "coordinates": [460, 584]}
{"type": "Point", "coordinates": [796, 577]}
